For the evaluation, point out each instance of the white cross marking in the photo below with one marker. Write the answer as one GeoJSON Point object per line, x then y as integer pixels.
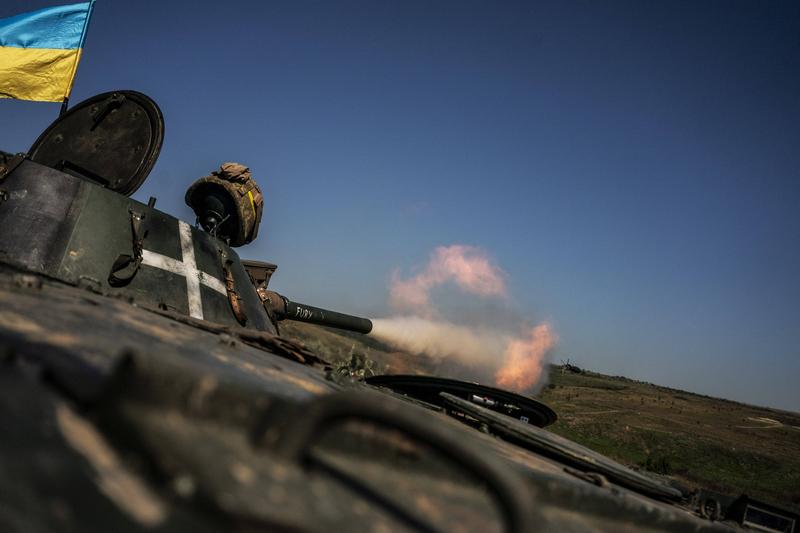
{"type": "Point", "coordinates": [186, 268]}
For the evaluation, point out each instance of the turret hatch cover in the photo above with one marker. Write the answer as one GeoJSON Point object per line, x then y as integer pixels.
{"type": "Point", "coordinates": [112, 139]}
{"type": "Point", "coordinates": [429, 389]}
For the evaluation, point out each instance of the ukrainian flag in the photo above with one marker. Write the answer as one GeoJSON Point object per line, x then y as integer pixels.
{"type": "Point", "coordinates": [40, 51]}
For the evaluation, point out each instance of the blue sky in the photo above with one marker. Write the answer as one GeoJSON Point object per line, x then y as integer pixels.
{"type": "Point", "coordinates": [633, 167]}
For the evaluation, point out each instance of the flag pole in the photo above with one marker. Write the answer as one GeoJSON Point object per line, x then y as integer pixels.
{"type": "Point", "coordinates": [65, 103]}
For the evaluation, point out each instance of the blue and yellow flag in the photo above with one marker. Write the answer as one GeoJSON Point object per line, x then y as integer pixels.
{"type": "Point", "coordinates": [40, 51]}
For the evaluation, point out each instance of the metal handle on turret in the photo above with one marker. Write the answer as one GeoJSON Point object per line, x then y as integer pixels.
{"type": "Point", "coordinates": [285, 309]}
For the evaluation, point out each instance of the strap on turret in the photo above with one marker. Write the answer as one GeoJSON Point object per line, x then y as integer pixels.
{"type": "Point", "coordinates": [125, 266]}
{"type": "Point", "coordinates": [230, 286]}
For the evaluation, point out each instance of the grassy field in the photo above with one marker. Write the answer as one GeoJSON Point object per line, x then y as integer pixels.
{"type": "Point", "coordinates": [705, 442]}
{"type": "Point", "coordinates": [700, 441]}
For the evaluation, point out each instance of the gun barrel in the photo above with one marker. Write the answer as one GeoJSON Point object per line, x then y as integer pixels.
{"type": "Point", "coordinates": [285, 309]}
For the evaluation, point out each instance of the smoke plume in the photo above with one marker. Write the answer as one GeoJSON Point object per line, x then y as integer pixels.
{"type": "Point", "coordinates": [511, 359]}
{"type": "Point", "coordinates": [523, 361]}
{"type": "Point", "coordinates": [467, 266]}
{"type": "Point", "coordinates": [439, 339]}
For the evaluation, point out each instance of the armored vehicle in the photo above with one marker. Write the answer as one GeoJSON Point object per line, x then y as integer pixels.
{"type": "Point", "coordinates": [144, 385]}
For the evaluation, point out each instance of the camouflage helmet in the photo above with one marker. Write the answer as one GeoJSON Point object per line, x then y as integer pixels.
{"type": "Point", "coordinates": [228, 203]}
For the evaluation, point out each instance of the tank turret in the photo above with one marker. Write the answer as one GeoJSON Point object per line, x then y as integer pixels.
{"type": "Point", "coordinates": [69, 215]}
